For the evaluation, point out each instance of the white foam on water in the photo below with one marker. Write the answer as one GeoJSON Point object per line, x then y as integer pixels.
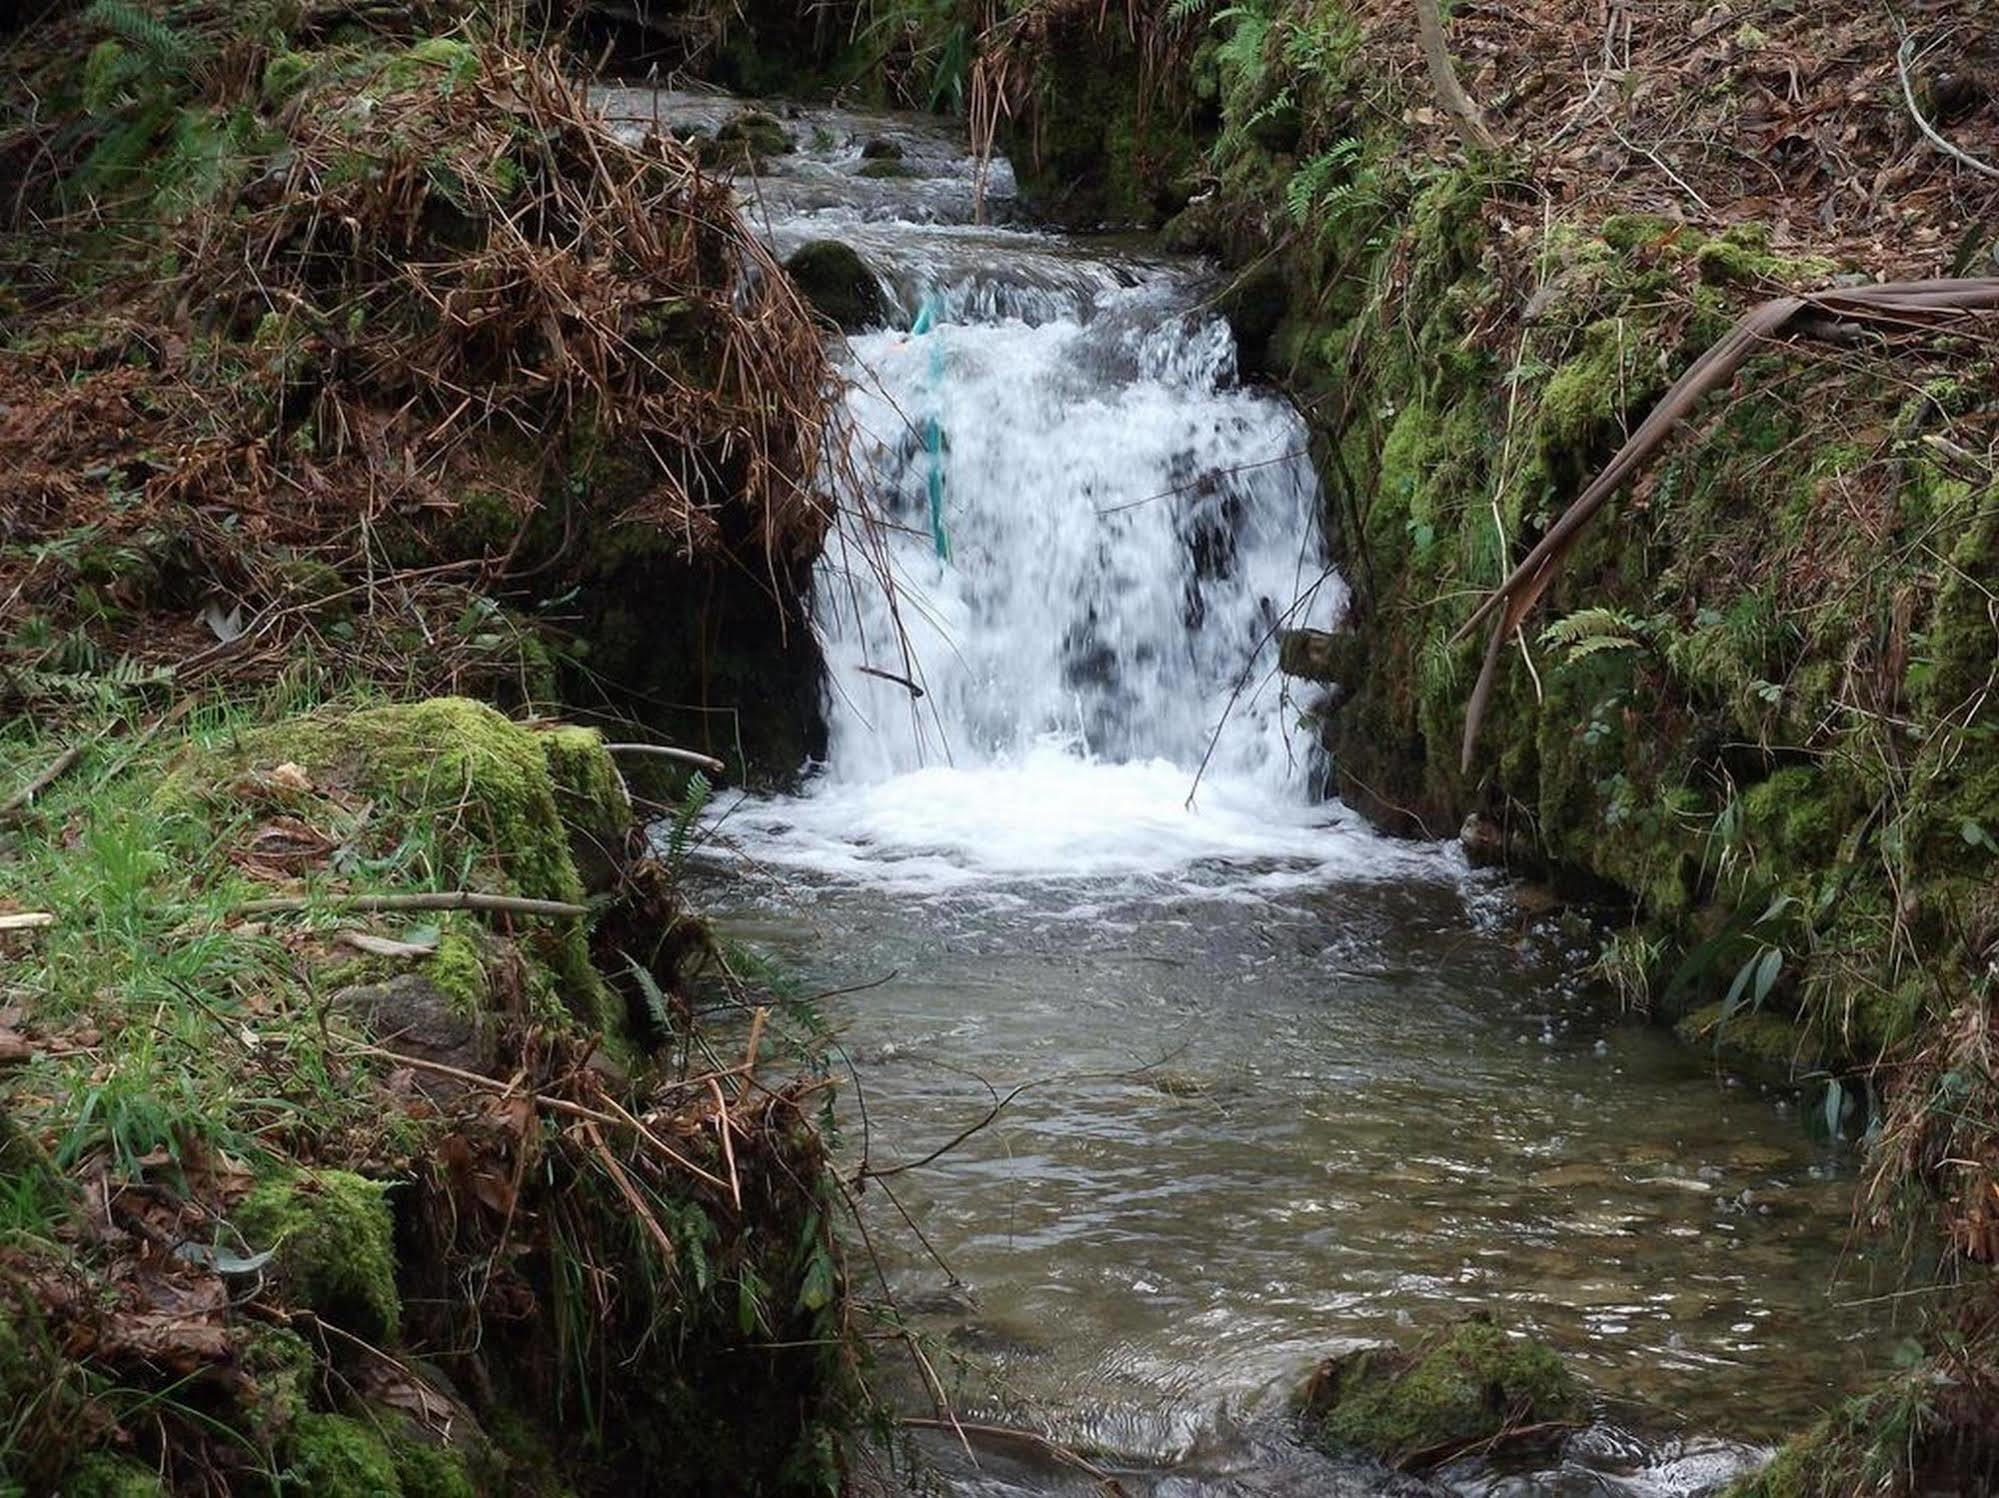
{"type": "Point", "coordinates": [1051, 814]}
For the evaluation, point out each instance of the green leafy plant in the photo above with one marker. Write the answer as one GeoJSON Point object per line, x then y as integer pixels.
{"type": "Point", "coordinates": [1589, 631]}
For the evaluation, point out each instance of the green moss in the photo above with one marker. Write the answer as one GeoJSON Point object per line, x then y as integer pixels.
{"type": "Point", "coordinates": [1585, 400]}
{"type": "Point", "coordinates": [1755, 1042]}
{"type": "Point", "coordinates": [1470, 1382]}
{"type": "Point", "coordinates": [1741, 256]}
{"type": "Point", "coordinates": [331, 1233]}
{"type": "Point", "coordinates": [1793, 814]}
{"type": "Point", "coordinates": [284, 74]}
{"type": "Point", "coordinates": [459, 972]}
{"type": "Point", "coordinates": [284, 1370]}
{"type": "Point", "coordinates": [101, 1475]}
{"type": "Point", "coordinates": [885, 170]}
{"type": "Point", "coordinates": [463, 764]}
{"type": "Point", "coordinates": [333, 1456]}
{"type": "Point", "coordinates": [447, 59]}
{"type": "Point", "coordinates": [428, 1470]}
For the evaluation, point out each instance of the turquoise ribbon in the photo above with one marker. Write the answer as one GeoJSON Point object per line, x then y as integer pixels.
{"type": "Point", "coordinates": [927, 316]}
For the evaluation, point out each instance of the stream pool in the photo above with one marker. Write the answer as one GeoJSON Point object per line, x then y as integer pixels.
{"type": "Point", "coordinates": [1273, 1086]}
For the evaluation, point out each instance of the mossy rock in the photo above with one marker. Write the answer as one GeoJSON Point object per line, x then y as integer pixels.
{"type": "Point", "coordinates": [102, 1475]}
{"type": "Point", "coordinates": [749, 137]}
{"type": "Point", "coordinates": [594, 804]}
{"type": "Point", "coordinates": [334, 1456]}
{"type": "Point", "coordinates": [333, 1242]}
{"type": "Point", "coordinates": [886, 169]}
{"type": "Point", "coordinates": [1468, 1384]}
{"type": "Point", "coordinates": [1755, 1043]}
{"type": "Point", "coordinates": [881, 148]}
{"type": "Point", "coordinates": [525, 800]}
{"type": "Point", "coordinates": [836, 280]}
{"type": "Point", "coordinates": [1316, 655]}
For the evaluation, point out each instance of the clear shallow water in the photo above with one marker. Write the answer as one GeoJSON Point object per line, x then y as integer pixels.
{"type": "Point", "coordinates": [1282, 1086]}
{"type": "Point", "coordinates": [1260, 1129]}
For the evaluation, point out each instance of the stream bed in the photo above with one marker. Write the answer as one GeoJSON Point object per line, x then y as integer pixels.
{"type": "Point", "coordinates": [1274, 1086]}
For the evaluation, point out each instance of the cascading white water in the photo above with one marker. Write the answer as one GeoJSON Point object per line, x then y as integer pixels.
{"type": "Point", "coordinates": [1125, 530]}
{"type": "Point", "coordinates": [1128, 529]}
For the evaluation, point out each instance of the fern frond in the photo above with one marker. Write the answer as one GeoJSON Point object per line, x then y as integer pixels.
{"type": "Point", "coordinates": [169, 51]}
{"type": "Point", "coordinates": [679, 838]}
{"type": "Point", "coordinates": [1589, 631]}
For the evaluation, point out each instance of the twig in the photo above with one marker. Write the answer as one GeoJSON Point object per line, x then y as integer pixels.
{"type": "Point", "coordinates": [27, 920]}
{"type": "Point", "coordinates": [749, 1068]}
{"type": "Point", "coordinates": [1903, 56]}
{"type": "Point", "coordinates": [458, 899]}
{"type": "Point", "coordinates": [57, 768]}
{"type": "Point", "coordinates": [667, 751]}
{"type": "Point", "coordinates": [722, 1127]}
{"type": "Point", "coordinates": [631, 1195]}
{"type": "Point", "coordinates": [617, 1119]}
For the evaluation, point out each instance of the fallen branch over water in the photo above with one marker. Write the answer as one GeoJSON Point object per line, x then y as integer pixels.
{"type": "Point", "coordinates": [667, 751]}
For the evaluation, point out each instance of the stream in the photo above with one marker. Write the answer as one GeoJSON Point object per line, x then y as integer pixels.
{"type": "Point", "coordinates": [1275, 1086]}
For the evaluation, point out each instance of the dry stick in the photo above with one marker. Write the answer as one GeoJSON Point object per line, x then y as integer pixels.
{"type": "Point", "coordinates": [57, 768]}
{"type": "Point", "coordinates": [1903, 55]}
{"type": "Point", "coordinates": [1903, 303]}
{"type": "Point", "coordinates": [1030, 1437]}
{"type": "Point", "coordinates": [545, 1100]}
{"type": "Point", "coordinates": [631, 1194]}
{"type": "Point", "coordinates": [666, 751]}
{"type": "Point", "coordinates": [459, 899]}
{"type": "Point", "coordinates": [749, 1067]}
{"type": "Point", "coordinates": [1444, 78]}
{"type": "Point", "coordinates": [26, 920]}
{"type": "Point", "coordinates": [722, 1127]}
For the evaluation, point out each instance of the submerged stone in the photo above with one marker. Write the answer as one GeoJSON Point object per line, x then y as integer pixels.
{"type": "Point", "coordinates": [837, 281]}
{"type": "Point", "coordinates": [1469, 1384]}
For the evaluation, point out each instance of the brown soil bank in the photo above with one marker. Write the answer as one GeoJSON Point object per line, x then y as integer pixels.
{"type": "Point", "coordinates": [1760, 702]}
{"type": "Point", "coordinates": [327, 335]}
{"type": "Point", "coordinates": [362, 1128]}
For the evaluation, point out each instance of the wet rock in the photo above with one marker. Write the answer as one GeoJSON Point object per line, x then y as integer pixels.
{"type": "Point", "coordinates": [1469, 1384]}
{"type": "Point", "coordinates": [881, 148]}
{"type": "Point", "coordinates": [1484, 842]}
{"type": "Point", "coordinates": [839, 283]}
{"type": "Point", "coordinates": [1255, 304]}
{"type": "Point", "coordinates": [1318, 656]}
{"type": "Point", "coordinates": [749, 138]}
{"type": "Point", "coordinates": [885, 169]}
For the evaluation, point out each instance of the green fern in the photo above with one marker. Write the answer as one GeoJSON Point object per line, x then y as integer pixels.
{"type": "Point", "coordinates": [170, 54]}
{"type": "Point", "coordinates": [1314, 181]}
{"type": "Point", "coordinates": [679, 837]}
{"type": "Point", "coordinates": [1588, 632]}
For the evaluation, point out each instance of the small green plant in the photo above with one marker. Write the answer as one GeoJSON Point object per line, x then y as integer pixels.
{"type": "Point", "coordinates": [680, 835]}
{"type": "Point", "coordinates": [1586, 632]}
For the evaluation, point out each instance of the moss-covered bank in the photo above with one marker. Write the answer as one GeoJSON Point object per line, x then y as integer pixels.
{"type": "Point", "coordinates": [291, 1230]}
{"type": "Point", "coordinates": [364, 398]}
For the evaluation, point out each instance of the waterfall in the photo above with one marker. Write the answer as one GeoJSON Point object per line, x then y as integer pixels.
{"type": "Point", "coordinates": [1125, 527]}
